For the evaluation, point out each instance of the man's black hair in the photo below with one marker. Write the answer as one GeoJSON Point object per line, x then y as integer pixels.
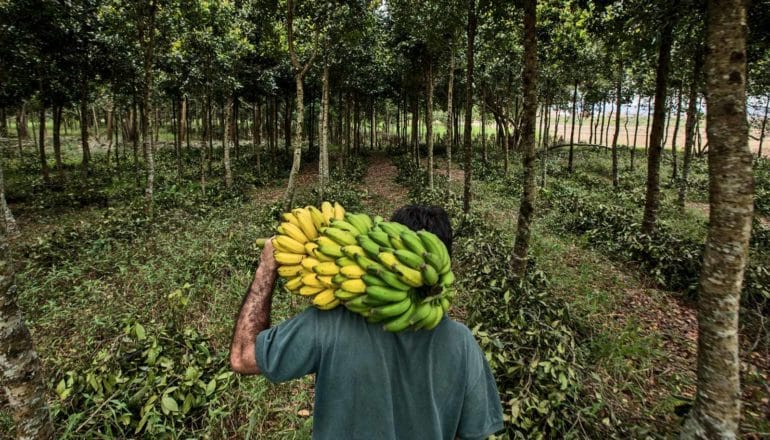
{"type": "Point", "coordinates": [431, 218]}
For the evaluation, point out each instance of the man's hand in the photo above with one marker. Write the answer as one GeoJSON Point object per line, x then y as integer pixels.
{"type": "Point", "coordinates": [255, 314]}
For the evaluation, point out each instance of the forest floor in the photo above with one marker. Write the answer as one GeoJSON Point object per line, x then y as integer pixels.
{"type": "Point", "coordinates": [640, 340]}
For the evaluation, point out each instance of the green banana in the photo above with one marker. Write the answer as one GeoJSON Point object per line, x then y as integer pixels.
{"type": "Point", "coordinates": [444, 304]}
{"type": "Point", "coordinates": [330, 250]}
{"type": "Point", "coordinates": [344, 295]}
{"type": "Point", "coordinates": [434, 260]}
{"type": "Point", "coordinates": [373, 280]}
{"type": "Point", "coordinates": [379, 237]}
{"type": "Point", "coordinates": [359, 221]}
{"type": "Point", "coordinates": [369, 265]}
{"type": "Point", "coordinates": [420, 312]}
{"type": "Point", "coordinates": [386, 293]}
{"type": "Point", "coordinates": [395, 242]}
{"type": "Point", "coordinates": [429, 275]}
{"type": "Point", "coordinates": [447, 278]}
{"type": "Point", "coordinates": [378, 219]}
{"type": "Point", "coordinates": [339, 278]}
{"type": "Point", "coordinates": [345, 226]}
{"type": "Point", "coordinates": [357, 304]}
{"type": "Point", "coordinates": [438, 314]}
{"type": "Point", "coordinates": [341, 236]}
{"type": "Point", "coordinates": [345, 261]}
{"type": "Point", "coordinates": [413, 242]}
{"type": "Point", "coordinates": [408, 275]}
{"type": "Point", "coordinates": [372, 302]}
{"type": "Point", "coordinates": [394, 309]}
{"type": "Point", "coordinates": [401, 322]}
{"type": "Point", "coordinates": [409, 258]}
{"type": "Point", "coordinates": [434, 245]}
{"type": "Point", "coordinates": [393, 280]}
{"type": "Point", "coordinates": [369, 245]}
{"type": "Point", "coordinates": [373, 319]}
{"type": "Point", "coordinates": [390, 228]}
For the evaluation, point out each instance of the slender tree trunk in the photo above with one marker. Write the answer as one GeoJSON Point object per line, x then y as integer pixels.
{"type": "Point", "coordinates": [580, 119]}
{"type": "Point", "coordinates": [764, 125]}
{"type": "Point", "coordinates": [323, 161]}
{"type": "Point", "coordinates": [256, 129]}
{"type": "Point", "coordinates": [183, 121]}
{"type": "Point", "coordinates": [57, 114]}
{"type": "Point", "coordinates": [22, 381]}
{"type": "Point", "coordinates": [676, 133]}
{"type": "Point", "coordinates": [205, 133]}
{"type": "Point", "coordinates": [429, 121]}
{"type": "Point", "coordinates": [602, 113]}
{"type": "Point", "coordinates": [3, 123]}
{"type": "Point", "coordinates": [483, 129]}
{"type": "Point", "coordinates": [147, 122]}
{"type": "Point", "coordinates": [636, 131]}
{"type": "Point", "coordinates": [235, 128]}
{"type": "Point", "coordinates": [648, 126]}
{"type": "Point", "coordinates": [652, 199]}
{"type": "Point", "coordinates": [618, 103]}
{"type": "Point", "coordinates": [717, 409]}
{"type": "Point", "coordinates": [134, 139]}
{"type": "Point", "coordinates": [591, 127]}
{"type": "Point", "coordinates": [41, 144]}
{"type": "Point", "coordinates": [9, 226]}
{"type": "Point", "coordinates": [689, 126]}
{"type": "Point", "coordinates": [449, 115]}
{"type": "Point", "coordinates": [176, 108]}
{"type": "Point", "coordinates": [415, 122]}
{"type": "Point", "coordinates": [469, 107]}
{"type": "Point", "coordinates": [572, 132]}
{"type": "Point", "coordinates": [287, 124]}
{"type": "Point", "coordinates": [84, 126]}
{"type": "Point", "coordinates": [228, 136]}
{"type": "Point", "coordinates": [529, 190]}
{"type": "Point", "coordinates": [607, 128]}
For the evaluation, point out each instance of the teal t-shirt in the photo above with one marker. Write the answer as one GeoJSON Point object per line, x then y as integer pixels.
{"type": "Point", "coordinates": [372, 384]}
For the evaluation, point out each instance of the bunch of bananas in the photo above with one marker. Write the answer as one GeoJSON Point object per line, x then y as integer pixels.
{"type": "Point", "coordinates": [381, 270]}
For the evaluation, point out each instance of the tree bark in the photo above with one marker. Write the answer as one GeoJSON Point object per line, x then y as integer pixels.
{"type": "Point", "coordinates": [84, 127]}
{"type": "Point", "coordinates": [57, 114]}
{"type": "Point", "coordinates": [636, 131]}
{"type": "Point", "coordinates": [429, 121]}
{"type": "Point", "coordinates": [449, 114]}
{"type": "Point", "coordinates": [572, 132]}
{"type": "Point", "coordinates": [652, 199]}
{"type": "Point", "coordinates": [676, 133]}
{"type": "Point", "coordinates": [228, 136]}
{"type": "Point", "coordinates": [41, 143]}
{"type": "Point", "coordinates": [618, 103]}
{"type": "Point", "coordinates": [717, 409]}
{"type": "Point", "coordinates": [529, 85]}
{"type": "Point", "coordinates": [256, 129]}
{"type": "Point", "coordinates": [22, 381]}
{"type": "Point", "coordinates": [6, 216]}
{"type": "Point", "coordinates": [415, 122]}
{"type": "Point", "coordinates": [689, 127]}
{"type": "Point", "coordinates": [469, 107]}
{"type": "Point", "coordinates": [134, 139]}
{"type": "Point", "coordinates": [764, 125]}
{"type": "Point", "coordinates": [483, 130]}
{"type": "Point", "coordinates": [323, 160]}
{"type": "Point", "coordinates": [148, 32]}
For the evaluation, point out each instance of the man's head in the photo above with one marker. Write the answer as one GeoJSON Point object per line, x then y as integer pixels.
{"type": "Point", "coordinates": [431, 218]}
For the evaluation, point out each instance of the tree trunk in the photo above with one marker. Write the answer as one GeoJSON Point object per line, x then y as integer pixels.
{"type": "Point", "coordinates": [134, 139]}
{"type": "Point", "coordinates": [469, 107]}
{"type": "Point", "coordinates": [591, 127]}
{"type": "Point", "coordinates": [602, 113]}
{"type": "Point", "coordinates": [483, 130]}
{"type": "Point", "coordinates": [287, 123]}
{"type": "Point", "coordinates": [3, 123]}
{"type": "Point", "coordinates": [689, 127]}
{"type": "Point", "coordinates": [147, 122]}
{"type": "Point", "coordinates": [6, 216]}
{"type": "Point", "coordinates": [636, 131]}
{"type": "Point", "coordinates": [257, 134]}
{"type": "Point", "coordinates": [22, 128]}
{"type": "Point", "coordinates": [572, 132]}
{"type": "Point", "coordinates": [43, 160]}
{"type": "Point", "coordinates": [84, 126]}
{"type": "Point", "coordinates": [529, 85]}
{"type": "Point", "coordinates": [607, 128]}
{"type": "Point", "coordinates": [236, 134]}
{"type": "Point", "coordinates": [652, 199]}
{"type": "Point", "coordinates": [323, 160]}
{"type": "Point", "coordinates": [618, 103]}
{"type": "Point", "coordinates": [449, 114]}
{"type": "Point", "coordinates": [764, 125]}
{"type": "Point", "coordinates": [648, 126]}
{"type": "Point", "coordinates": [717, 409]}
{"type": "Point", "coordinates": [183, 120]}
{"type": "Point", "coordinates": [676, 133]}
{"type": "Point", "coordinates": [228, 136]}
{"type": "Point", "coordinates": [429, 121]}
{"type": "Point", "coordinates": [205, 133]}
{"type": "Point", "coordinates": [22, 381]}
{"type": "Point", "coordinates": [415, 122]}
{"type": "Point", "coordinates": [57, 113]}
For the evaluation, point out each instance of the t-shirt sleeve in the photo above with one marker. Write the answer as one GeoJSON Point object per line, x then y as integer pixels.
{"type": "Point", "coordinates": [482, 413]}
{"type": "Point", "coordinates": [289, 350]}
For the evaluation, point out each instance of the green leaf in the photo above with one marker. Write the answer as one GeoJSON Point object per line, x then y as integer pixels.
{"type": "Point", "coordinates": [168, 404]}
{"type": "Point", "coordinates": [139, 331]}
{"type": "Point", "coordinates": [211, 387]}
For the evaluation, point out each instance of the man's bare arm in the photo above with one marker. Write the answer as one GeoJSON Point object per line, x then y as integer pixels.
{"type": "Point", "coordinates": [255, 315]}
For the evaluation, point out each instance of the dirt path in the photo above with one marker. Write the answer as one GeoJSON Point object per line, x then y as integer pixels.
{"type": "Point", "coordinates": [384, 194]}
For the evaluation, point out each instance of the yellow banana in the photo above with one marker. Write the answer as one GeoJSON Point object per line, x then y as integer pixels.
{"type": "Point", "coordinates": [324, 297]}
{"type": "Point", "coordinates": [345, 261]}
{"type": "Point", "coordinates": [311, 279]}
{"type": "Point", "coordinates": [387, 258]}
{"type": "Point", "coordinates": [289, 217]}
{"type": "Point", "coordinates": [288, 259]}
{"type": "Point", "coordinates": [294, 232]}
{"type": "Point", "coordinates": [330, 305]}
{"type": "Point", "coordinates": [317, 216]}
{"type": "Point", "coordinates": [328, 211]}
{"type": "Point", "coordinates": [354, 286]}
{"type": "Point", "coordinates": [309, 263]}
{"type": "Point", "coordinates": [306, 223]}
{"type": "Point", "coordinates": [409, 275]}
{"type": "Point", "coordinates": [326, 268]}
{"type": "Point", "coordinates": [285, 243]}
{"type": "Point", "coordinates": [326, 280]}
{"type": "Point", "coordinates": [290, 271]}
{"type": "Point", "coordinates": [321, 256]}
{"type": "Point", "coordinates": [339, 211]}
{"type": "Point", "coordinates": [294, 283]}
{"type": "Point", "coordinates": [310, 290]}
{"type": "Point", "coordinates": [352, 271]}
{"type": "Point", "coordinates": [326, 241]}
{"type": "Point", "coordinates": [309, 247]}
{"type": "Point", "coordinates": [352, 250]}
